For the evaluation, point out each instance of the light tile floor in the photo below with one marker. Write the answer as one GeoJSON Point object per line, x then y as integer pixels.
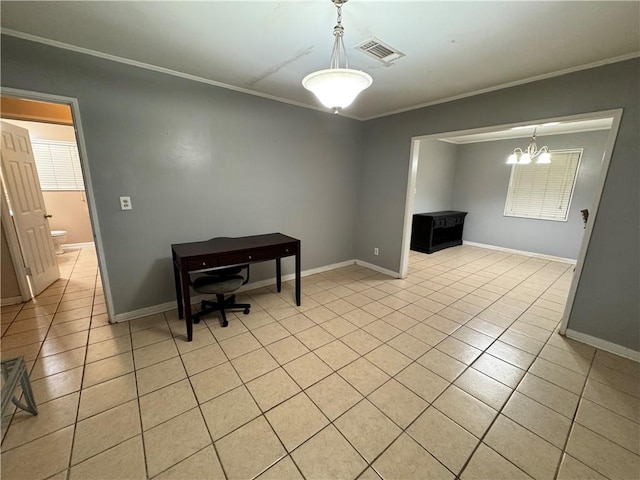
{"type": "Point", "coordinates": [454, 372]}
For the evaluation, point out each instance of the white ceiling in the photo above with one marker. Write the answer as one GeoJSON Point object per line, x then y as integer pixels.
{"type": "Point", "coordinates": [453, 49]}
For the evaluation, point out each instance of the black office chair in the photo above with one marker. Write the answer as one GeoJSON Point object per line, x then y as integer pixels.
{"type": "Point", "coordinates": [220, 282]}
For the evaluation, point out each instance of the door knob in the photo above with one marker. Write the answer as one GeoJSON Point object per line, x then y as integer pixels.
{"type": "Point", "coordinates": [47, 215]}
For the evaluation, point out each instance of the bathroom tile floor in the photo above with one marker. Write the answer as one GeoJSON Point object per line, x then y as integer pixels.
{"type": "Point", "coordinates": [456, 371]}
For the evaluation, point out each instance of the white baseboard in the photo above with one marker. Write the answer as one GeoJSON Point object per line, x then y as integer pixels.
{"type": "Point", "coordinates": [604, 345]}
{"type": "Point", "coordinates": [10, 301]}
{"type": "Point", "coordinates": [378, 269]}
{"type": "Point", "coordinates": [76, 246]}
{"type": "Point", "coordinates": [521, 252]}
{"type": "Point", "coordinates": [163, 307]}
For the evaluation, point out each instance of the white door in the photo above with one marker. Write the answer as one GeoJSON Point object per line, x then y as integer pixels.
{"type": "Point", "coordinates": [20, 177]}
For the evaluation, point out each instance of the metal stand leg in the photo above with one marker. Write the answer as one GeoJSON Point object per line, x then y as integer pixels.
{"type": "Point", "coordinates": [14, 371]}
{"type": "Point", "coordinates": [28, 395]}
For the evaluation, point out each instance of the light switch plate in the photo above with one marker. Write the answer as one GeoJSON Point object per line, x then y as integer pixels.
{"type": "Point", "coordinates": [125, 203]}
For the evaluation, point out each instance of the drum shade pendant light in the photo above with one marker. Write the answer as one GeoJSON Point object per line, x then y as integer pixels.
{"type": "Point", "coordinates": [337, 87]}
{"type": "Point", "coordinates": [521, 157]}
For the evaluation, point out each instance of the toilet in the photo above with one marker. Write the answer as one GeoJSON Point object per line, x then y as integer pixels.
{"type": "Point", "coordinates": [59, 238]}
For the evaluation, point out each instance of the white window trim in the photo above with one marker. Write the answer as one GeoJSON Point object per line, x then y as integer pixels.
{"type": "Point", "coordinates": [580, 152]}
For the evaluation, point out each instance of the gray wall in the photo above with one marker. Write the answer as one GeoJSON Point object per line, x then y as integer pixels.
{"type": "Point", "coordinates": [481, 183]}
{"type": "Point", "coordinates": [435, 175]}
{"type": "Point", "coordinates": [607, 300]}
{"type": "Point", "coordinates": [198, 161]}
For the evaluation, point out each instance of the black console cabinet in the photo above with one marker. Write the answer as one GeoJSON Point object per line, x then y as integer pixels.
{"type": "Point", "coordinates": [431, 232]}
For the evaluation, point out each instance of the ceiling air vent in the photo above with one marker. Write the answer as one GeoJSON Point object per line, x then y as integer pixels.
{"type": "Point", "coordinates": [379, 50]}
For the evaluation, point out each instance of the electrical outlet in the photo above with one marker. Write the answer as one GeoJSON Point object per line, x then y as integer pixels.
{"type": "Point", "coordinates": [125, 203]}
{"type": "Point", "coordinates": [376, 251]}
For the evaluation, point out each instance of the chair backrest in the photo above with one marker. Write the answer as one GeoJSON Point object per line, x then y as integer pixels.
{"type": "Point", "coordinates": [225, 272]}
{"type": "Point", "coordinates": [219, 276]}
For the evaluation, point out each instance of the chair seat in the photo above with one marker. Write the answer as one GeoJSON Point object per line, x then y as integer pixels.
{"type": "Point", "coordinates": [217, 285]}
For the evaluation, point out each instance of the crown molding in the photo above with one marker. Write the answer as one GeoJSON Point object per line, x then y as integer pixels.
{"type": "Point", "coordinates": [166, 71]}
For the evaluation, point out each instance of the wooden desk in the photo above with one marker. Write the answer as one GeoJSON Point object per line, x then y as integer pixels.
{"type": "Point", "coordinates": [224, 252]}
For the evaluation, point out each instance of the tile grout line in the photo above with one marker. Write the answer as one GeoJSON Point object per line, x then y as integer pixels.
{"type": "Point", "coordinates": [71, 393]}
{"type": "Point", "coordinates": [75, 423]}
{"type": "Point", "coordinates": [336, 317]}
{"type": "Point", "coordinates": [391, 377]}
{"type": "Point", "coordinates": [502, 409]}
{"type": "Point", "coordinates": [403, 430]}
{"type": "Point", "coordinates": [135, 377]}
{"type": "Point", "coordinates": [573, 419]}
{"type": "Point", "coordinates": [10, 421]}
{"type": "Point", "coordinates": [302, 391]}
{"type": "Point", "coordinates": [199, 405]}
{"type": "Point", "coordinates": [387, 294]}
{"type": "Point", "coordinates": [86, 349]}
{"type": "Point", "coordinates": [262, 413]}
{"type": "Point", "coordinates": [469, 366]}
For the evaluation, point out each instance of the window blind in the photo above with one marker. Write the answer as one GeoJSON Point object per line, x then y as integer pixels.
{"type": "Point", "coordinates": [58, 165]}
{"type": "Point", "coordinates": [543, 191]}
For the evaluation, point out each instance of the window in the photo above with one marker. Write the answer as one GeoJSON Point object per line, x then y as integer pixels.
{"type": "Point", "coordinates": [58, 165]}
{"type": "Point", "coordinates": [543, 191]}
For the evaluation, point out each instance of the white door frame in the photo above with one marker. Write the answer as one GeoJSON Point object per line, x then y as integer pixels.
{"type": "Point", "coordinates": [616, 114]}
{"type": "Point", "coordinates": [88, 185]}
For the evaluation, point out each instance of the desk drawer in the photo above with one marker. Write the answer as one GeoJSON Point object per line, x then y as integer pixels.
{"type": "Point", "coordinates": [202, 263]}
{"type": "Point", "coordinates": [284, 250]}
{"type": "Point", "coordinates": [258, 255]}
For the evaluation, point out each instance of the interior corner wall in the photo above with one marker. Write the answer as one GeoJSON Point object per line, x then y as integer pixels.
{"type": "Point", "coordinates": [606, 305]}
{"type": "Point", "coordinates": [482, 181]}
{"type": "Point", "coordinates": [435, 175]}
{"type": "Point", "coordinates": [198, 161]}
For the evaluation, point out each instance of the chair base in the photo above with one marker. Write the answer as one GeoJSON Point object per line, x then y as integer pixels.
{"type": "Point", "coordinates": [221, 305]}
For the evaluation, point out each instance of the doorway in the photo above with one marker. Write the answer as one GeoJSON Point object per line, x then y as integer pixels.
{"type": "Point", "coordinates": [56, 136]}
{"type": "Point", "coordinates": [600, 175]}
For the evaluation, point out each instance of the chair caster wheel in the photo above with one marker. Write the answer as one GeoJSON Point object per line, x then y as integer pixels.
{"type": "Point", "coordinates": [246, 311]}
{"type": "Point", "coordinates": [196, 320]}
{"type": "Point", "coordinates": [225, 323]}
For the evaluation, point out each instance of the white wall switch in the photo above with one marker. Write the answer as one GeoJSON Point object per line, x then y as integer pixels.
{"type": "Point", "coordinates": [376, 251]}
{"type": "Point", "coordinates": [125, 203]}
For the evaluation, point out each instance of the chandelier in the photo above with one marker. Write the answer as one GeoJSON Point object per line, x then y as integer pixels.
{"type": "Point", "coordinates": [521, 157]}
{"type": "Point", "coordinates": [337, 87]}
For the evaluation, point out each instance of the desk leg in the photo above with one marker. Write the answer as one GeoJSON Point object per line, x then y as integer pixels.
{"type": "Point", "coordinates": [176, 279]}
{"type": "Point", "coordinates": [278, 274]}
{"type": "Point", "coordinates": [186, 295]}
{"type": "Point", "coordinates": [298, 276]}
